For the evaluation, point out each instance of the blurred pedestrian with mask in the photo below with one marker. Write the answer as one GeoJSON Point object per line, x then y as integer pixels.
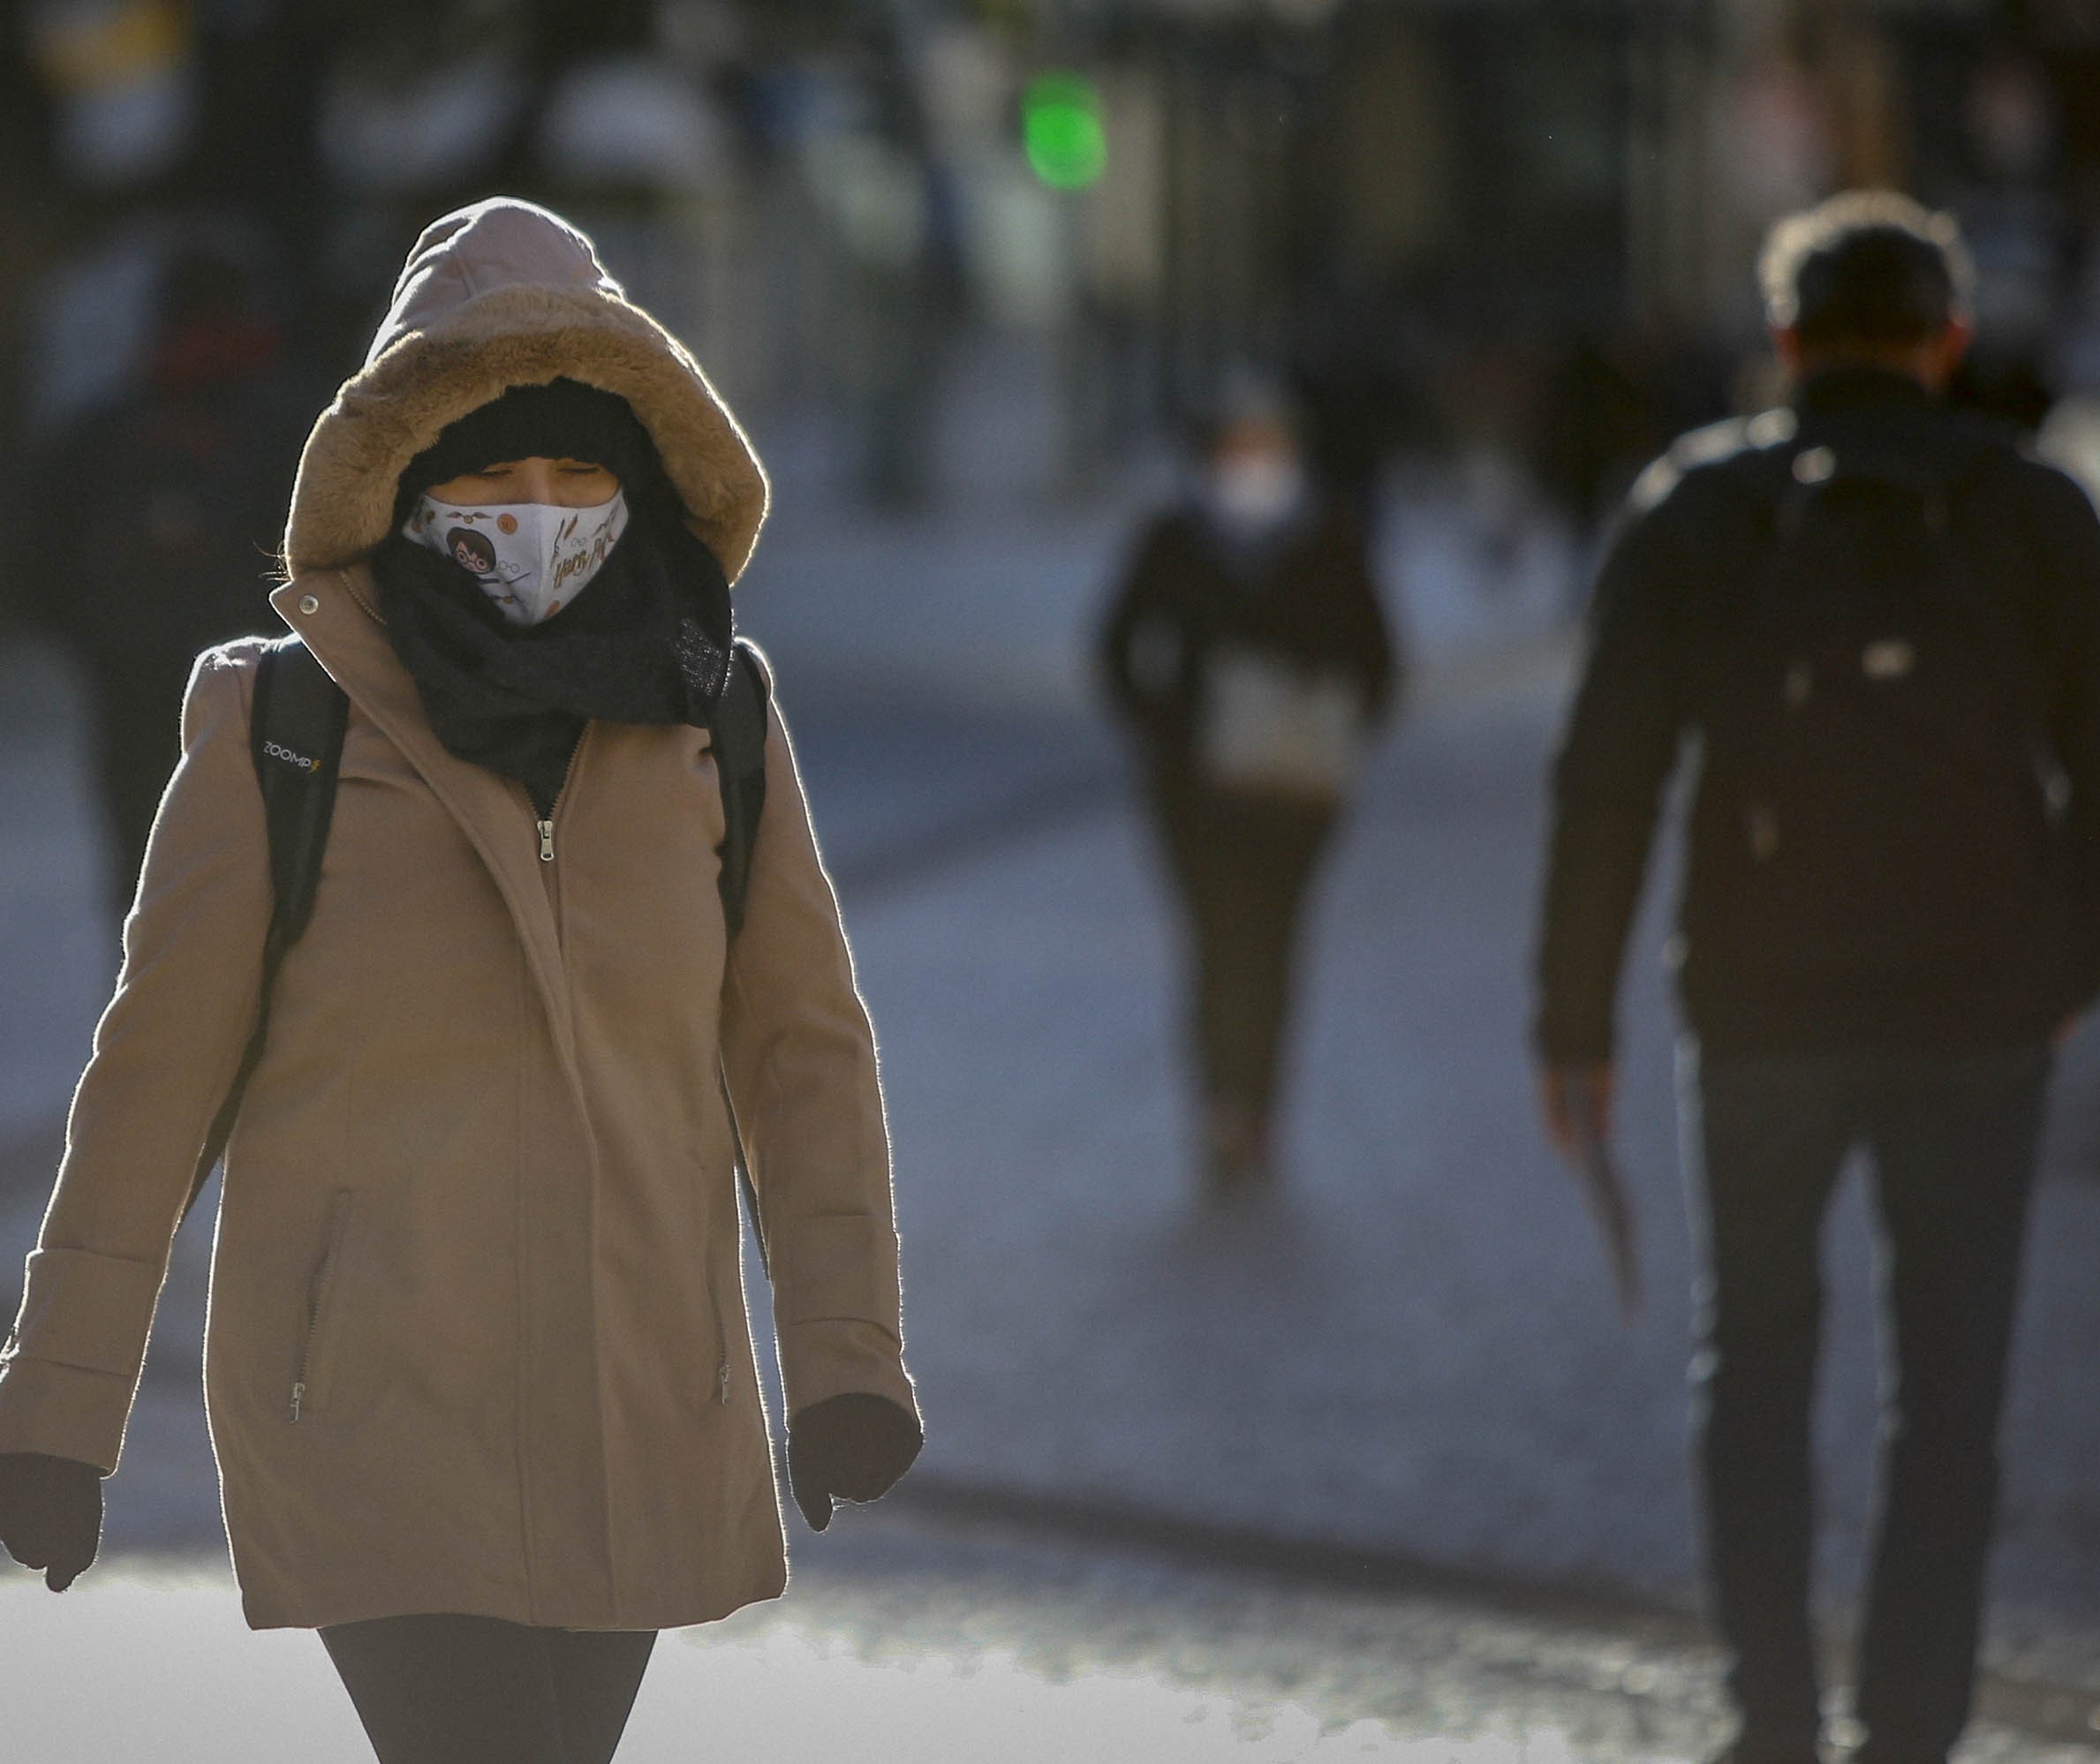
{"type": "Point", "coordinates": [158, 518]}
{"type": "Point", "coordinates": [1881, 621]}
{"type": "Point", "coordinates": [1246, 649]}
{"type": "Point", "coordinates": [482, 1383]}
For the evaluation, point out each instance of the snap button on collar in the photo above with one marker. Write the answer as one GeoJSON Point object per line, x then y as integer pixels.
{"type": "Point", "coordinates": [309, 604]}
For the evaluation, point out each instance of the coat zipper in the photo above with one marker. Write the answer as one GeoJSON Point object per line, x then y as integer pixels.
{"type": "Point", "coordinates": [318, 1294]}
{"type": "Point", "coordinates": [545, 824]}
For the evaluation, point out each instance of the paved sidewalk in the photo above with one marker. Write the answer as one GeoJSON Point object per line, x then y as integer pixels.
{"type": "Point", "coordinates": [906, 1642]}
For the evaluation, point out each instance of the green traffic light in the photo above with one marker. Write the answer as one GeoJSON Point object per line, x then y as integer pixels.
{"type": "Point", "coordinates": [1061, 132]}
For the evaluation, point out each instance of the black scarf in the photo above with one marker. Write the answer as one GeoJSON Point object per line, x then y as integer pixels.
{"type": "Point", "coordinates": [647, 641]}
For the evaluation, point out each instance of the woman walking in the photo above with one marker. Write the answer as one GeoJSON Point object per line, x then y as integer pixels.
{"type": "Point", "coordinates": [1246, 651]}
{"type": "Point", "coordinates": [479, 1370]}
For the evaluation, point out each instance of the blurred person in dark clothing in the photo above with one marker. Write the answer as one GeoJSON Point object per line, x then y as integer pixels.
{"type": "Point", "coordinates": [1881, 621]}
{"type": "Point", "coordinates": [2023, 236]}
{"type": "Point", "coordinates": [159, 516]}
{"type": "Point", "coordinates": [1246, 649]}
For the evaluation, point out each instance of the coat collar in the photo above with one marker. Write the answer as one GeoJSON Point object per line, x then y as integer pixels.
{"type": "Point", "coordinates": [1860, 385]}
{"type": "Point", "coordinates": [333, 612]}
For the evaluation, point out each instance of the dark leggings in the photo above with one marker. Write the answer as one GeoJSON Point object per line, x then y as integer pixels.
{"type": "Point", "coordinates": [1241, 866]}
{"type": "Point", "coordinates": [471, 1689]}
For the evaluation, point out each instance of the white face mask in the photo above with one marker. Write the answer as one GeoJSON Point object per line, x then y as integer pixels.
{"type": "Point", "coordinates": [1254, 493]}
{"type": "Point", "coordinates": [531, 558]}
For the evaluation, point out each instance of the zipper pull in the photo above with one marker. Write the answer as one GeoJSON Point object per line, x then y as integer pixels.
{"type": "Point", "coordinates": [546, 842]}
{"type": "Point", "coordinates": [298, 1398]}
{"type": "Point", "coordinates": [723, 1379]}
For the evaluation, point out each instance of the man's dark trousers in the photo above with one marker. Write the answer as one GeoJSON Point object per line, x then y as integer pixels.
{"type": "Point", "coordinates": [1953, 1140]}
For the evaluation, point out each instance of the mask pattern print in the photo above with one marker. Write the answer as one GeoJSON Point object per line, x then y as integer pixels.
{"type": "Point", "coordinates": [531, 558]}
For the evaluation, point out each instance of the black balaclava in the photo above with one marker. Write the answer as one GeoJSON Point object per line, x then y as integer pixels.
{"type": "Point", "coordinates": [648, 643]}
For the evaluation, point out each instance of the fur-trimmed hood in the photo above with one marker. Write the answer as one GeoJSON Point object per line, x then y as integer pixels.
{"type": "Point", "coordinates": [501, 294]}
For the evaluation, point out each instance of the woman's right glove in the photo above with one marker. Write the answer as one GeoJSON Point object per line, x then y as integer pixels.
{"type": "Point", "coordinates": [50, 1514]}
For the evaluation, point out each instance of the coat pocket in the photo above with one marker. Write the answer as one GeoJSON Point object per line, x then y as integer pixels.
{"type": "Point", "coordinates": [718, 1384]}
{"type": "Point", "coordinates": [324, 1308]}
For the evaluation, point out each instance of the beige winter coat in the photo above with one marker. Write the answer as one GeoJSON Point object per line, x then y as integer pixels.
{"type": "Point", "coordinates": [480, 1211]}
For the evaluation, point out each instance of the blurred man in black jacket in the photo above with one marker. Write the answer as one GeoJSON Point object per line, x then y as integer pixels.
{"type": "Point", "coordinates": [1881, 621]}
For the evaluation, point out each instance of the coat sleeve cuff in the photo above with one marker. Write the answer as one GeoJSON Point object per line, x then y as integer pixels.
{"type": "Point", "coordinates": [831, 1359]}
{"type": "Point", "coordinates": [64, 1410]}
{"type": "Point", "coordinates": [838, 1310]}
{"type": "Point", "coordinates": [87, 1310]}
{"type": "Point", "coordinates": [836, 1266]}
{"type": "Point", "coordinates": [72, 1363]}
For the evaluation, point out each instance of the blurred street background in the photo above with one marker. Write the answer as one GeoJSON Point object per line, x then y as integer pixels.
{"type": "Point", "coordinates": [1367, 1466]}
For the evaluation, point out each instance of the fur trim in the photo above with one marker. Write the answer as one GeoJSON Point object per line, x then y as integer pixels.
{"type": "Point", "coordinates": [522, 334]}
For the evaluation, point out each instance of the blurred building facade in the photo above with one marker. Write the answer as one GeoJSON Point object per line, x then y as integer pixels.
{"type": "Point", "coordinates": [1521, 224]}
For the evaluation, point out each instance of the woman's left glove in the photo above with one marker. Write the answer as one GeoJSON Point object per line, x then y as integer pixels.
{"type": "Point", "coordinates": [852, 1447]}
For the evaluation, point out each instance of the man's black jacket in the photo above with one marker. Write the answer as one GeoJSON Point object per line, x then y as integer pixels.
{"type": "Point", "coordinates": [1665, 657]}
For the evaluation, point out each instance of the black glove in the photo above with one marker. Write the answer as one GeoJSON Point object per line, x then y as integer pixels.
{"type": "Point", "coordinates": [50, 1514]}
{"type": "Point", "coordinates": [849, 1448]}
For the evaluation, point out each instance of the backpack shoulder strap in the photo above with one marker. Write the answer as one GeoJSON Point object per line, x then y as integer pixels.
{"type": "Point", "coordinates": [739, 735]}
{"type": "Point", "coordinates": [741, 715]}
{"type": "Point", "coordinates": [295, 735]}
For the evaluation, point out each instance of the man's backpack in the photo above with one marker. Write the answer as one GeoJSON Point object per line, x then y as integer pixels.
{"type": "Point", "coordinates": [1886, 761]}
{"type": "Point", "coordinates": [296, 729]}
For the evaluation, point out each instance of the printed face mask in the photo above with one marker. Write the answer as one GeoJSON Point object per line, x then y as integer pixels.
{"type": "Point", "coordinates": [531, 558]}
